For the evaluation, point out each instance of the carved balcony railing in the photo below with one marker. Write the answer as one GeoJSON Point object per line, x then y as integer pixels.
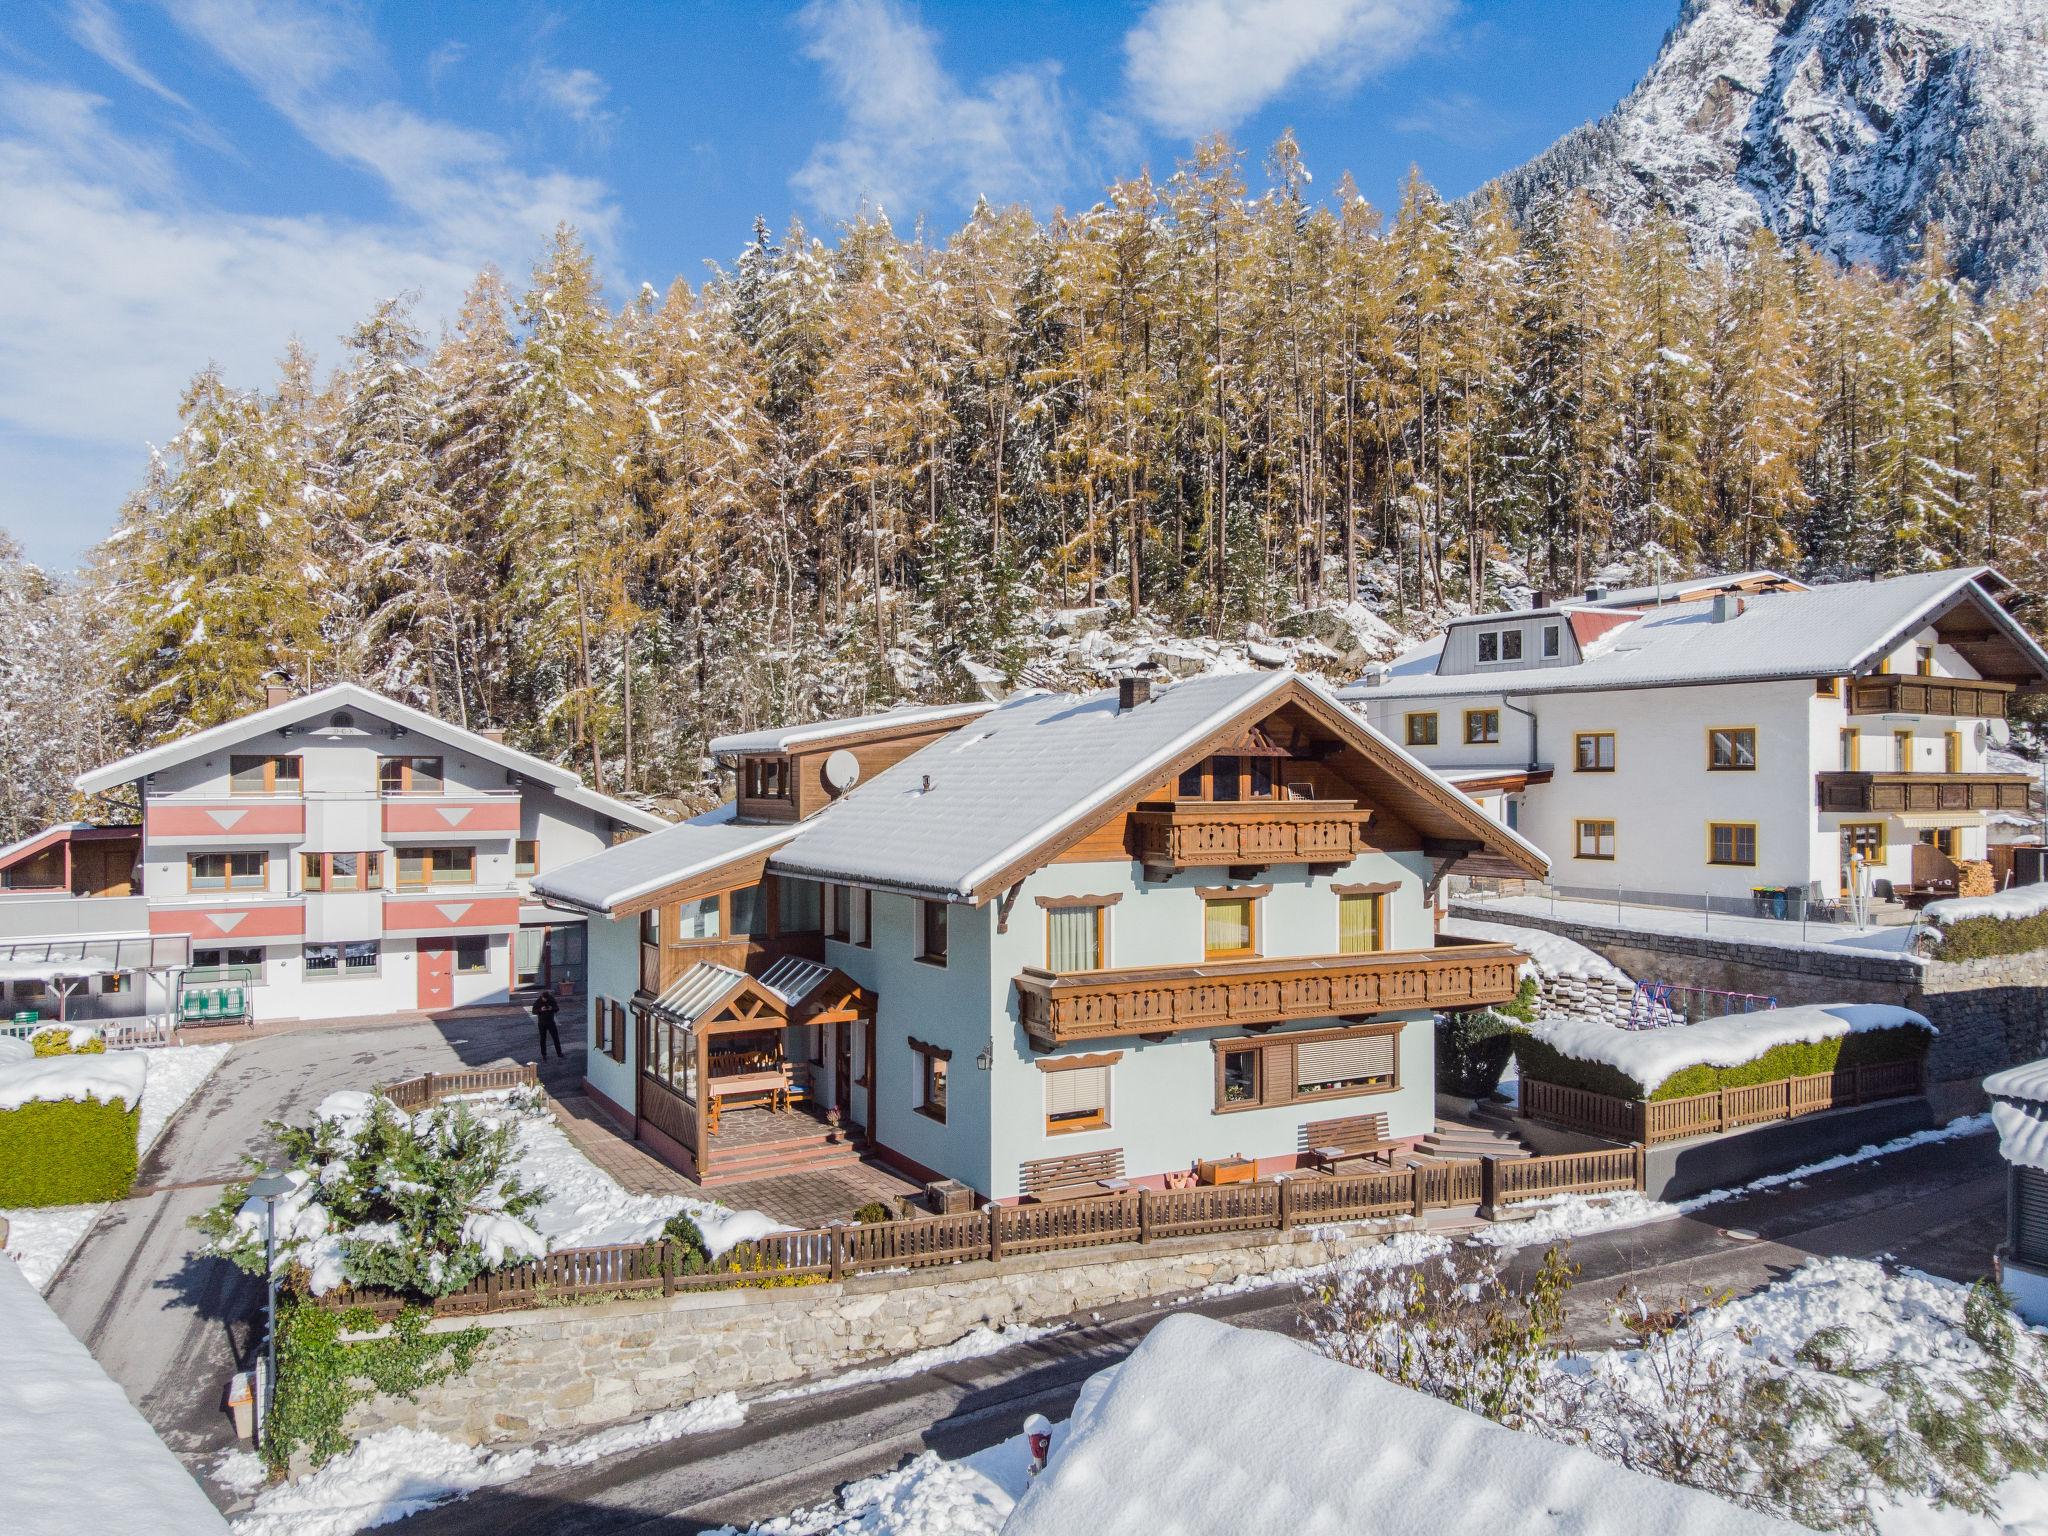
{"type": "Point", "coordinates": [1189, 834]}
{"type": "Point", "coordinates": [1957, 697]}
{"type": "Point", "coordinates": [1884, 792]}
{"type": "Point", "coordinates": [1238, 994]}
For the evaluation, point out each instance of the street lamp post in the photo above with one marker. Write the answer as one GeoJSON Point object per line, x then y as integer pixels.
{"type": "Point", "coordinates": [273, 1184]}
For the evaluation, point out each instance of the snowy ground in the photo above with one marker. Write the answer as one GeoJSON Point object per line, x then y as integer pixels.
{"type": "Point", "coordinates": [398, 1472]}
{"type": "Point", "coordinates": [1760, 930]}
{"type": "Point", "coordinates": [40, 1240]}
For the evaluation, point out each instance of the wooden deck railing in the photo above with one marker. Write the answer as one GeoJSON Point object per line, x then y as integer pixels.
{"type": "Point", "coordinates": [995, 1233]}
{"type": "Point", "coordinates": [1725, 1109]}
{"type": "Point", "coordinates": [416, 1093]}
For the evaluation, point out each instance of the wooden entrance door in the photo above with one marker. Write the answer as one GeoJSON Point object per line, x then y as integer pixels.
{"type": "Point", "coordinates": [437, 974]}
{"type": "Point", "coordinates": [842, 1069]}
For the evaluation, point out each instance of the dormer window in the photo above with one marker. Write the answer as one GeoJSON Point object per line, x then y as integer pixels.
{"type": "Point", "coordinates": [1553, 641]}
{"type": "Point", "coordinates": [1500, 645]}
{"type": "Point", "coordinates": [764, 778]}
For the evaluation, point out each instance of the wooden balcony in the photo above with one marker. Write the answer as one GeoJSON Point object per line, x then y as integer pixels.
{"type": "Point", "coordinates": [1956, 697]}
{"type": "Point", "coordinates": [1885, 792]}
{"type": "Point", "coordinates": [1242, 994]}
{"type": "Point", "coordinates": [1189, 834]}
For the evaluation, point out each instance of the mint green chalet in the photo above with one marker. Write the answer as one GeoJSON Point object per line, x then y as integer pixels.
{"type": "Point", "coordinates": [1147, 935]}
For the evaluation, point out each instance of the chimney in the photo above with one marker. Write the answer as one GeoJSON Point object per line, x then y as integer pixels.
{"type": "Point", "coordinates": [1375, 674]}
{"type": "Point", "coordinates": [1726, 606]}
{"type": "Point", "coordinates": [493, 733]}
{"type": "Point", "coordinates": [1595, 593]}
{"type": "Point", "coordinates": [1131, 692]}
{"type": "Point", "coordinates": [1542, 597]}
{"type": "Point", "coordinates": [275, 694]}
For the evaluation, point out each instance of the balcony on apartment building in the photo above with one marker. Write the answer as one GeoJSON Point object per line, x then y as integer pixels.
{"type": "Point", "coordinates": [1953, 697]}
{"type": "Point", "coordinates": [1864, 793]}
{"type": "Point", "coordinates": [1191, 834]}
{"type": "Point", "coordinates": [1058, 1009]}
{"type": "Point", "coordinates": [456, 814]}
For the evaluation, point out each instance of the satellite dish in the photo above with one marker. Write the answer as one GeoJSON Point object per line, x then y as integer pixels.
{"type": "Point", "coordinates": [842, 771]}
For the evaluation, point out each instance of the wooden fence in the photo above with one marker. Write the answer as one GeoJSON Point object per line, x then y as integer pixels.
{"type": "Point", "coordinates": [996, 1232]}
{"type": "Point", "coordinates": [416, 1093]}
{"type": "Point", "coordinates": [1649, 1121]}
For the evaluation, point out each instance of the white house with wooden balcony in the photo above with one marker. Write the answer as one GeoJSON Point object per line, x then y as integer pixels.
{"type": "Point", "coordinates": [1762, 738]}
{"type": "Point", "coordinates": [1057, 943]}
{"type": "Point", "coordinates": [331, 854]}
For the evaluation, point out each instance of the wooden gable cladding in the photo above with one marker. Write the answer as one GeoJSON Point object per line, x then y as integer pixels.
{"type": "Point", "coordinates": [1091, 1005]}
{"type": "Point", "coordinates": [735, 875]}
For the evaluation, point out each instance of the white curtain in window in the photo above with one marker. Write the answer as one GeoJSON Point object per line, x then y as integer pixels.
{"type": "Point", "coordinates": [1078, 1091]}
{"type": "Point", "coordinates": [1071, 931]}
{"type": "Point", "coordinates": [1325, 1063]}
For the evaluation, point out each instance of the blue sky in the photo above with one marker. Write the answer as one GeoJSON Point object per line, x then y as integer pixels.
{"type": "Point", "coordinates": [200, 179]}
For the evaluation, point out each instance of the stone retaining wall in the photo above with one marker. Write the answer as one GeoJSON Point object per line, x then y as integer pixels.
{"type": "Point", "coordinates": [1990, 1013]}
{"type": "Point", "coordinates": [566, 1370]}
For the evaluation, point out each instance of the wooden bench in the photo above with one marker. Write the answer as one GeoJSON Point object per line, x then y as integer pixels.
{"type": "Point", "coordinates": [1072, 1177]}
{"type": "Point", "coordinates": [1355, 1139]}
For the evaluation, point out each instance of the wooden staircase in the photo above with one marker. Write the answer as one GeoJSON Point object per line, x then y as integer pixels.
{"type": "Point", "coordinates": [806, 1153]}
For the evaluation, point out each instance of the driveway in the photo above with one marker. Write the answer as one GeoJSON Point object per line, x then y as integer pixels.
{"type": "Point", "coordinates": [171, 1325]}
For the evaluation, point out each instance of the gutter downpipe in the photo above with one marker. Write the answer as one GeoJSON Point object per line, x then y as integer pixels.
{"type": "Point", "coordinates": [1530, 716]}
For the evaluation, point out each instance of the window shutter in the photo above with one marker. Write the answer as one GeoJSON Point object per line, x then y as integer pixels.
{"type": "Point", "coordinates": [1319, 1063]}
{"type": "Point", "coordinates": [2030, 1216]}
{"type": "Point", "coordinates": [1081, 1091]}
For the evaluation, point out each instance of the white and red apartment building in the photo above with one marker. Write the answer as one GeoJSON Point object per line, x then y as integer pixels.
{"type": "Point", "coordinates": [333, 854]}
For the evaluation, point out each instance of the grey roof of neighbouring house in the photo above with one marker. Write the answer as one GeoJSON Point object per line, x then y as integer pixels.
{"type": "Point", "coordinates": [1664, 591]}
{"type": "Point", "coordinates": [1836, 630]}
{"type": "Point", "coordinates": [784, 738]}
{"type": "Point", "coordinates": [620, 873]}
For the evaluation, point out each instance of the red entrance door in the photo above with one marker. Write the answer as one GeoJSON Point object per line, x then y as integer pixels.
{"type": "Point", "coordinates": [437, 973]}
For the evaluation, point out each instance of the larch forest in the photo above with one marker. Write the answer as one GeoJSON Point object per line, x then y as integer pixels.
{"type": "Point", "coordinates": [834, 476]}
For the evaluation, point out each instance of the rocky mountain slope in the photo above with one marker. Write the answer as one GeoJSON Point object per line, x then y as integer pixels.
{"type": "Point", "coordinates": [1850, 124]}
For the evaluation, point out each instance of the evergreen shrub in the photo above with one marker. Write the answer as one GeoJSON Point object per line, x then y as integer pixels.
{"type": "Point", "coordinates": [59, 1040]}
{"type": "Point", "coordinates": [1985, 938]}
{"type": "Point", "coordinates": [1540, 1062]}
{"type": "Point", "coordinates": [67, 1152]}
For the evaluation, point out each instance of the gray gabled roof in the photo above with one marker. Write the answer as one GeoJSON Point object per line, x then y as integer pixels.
{"type": "Point", "coordinates": [353, 696]}
{"type": "Point", "coordinates": [1665, 591]}
{"type": "Point", "coordinates": [1837, 630]}
{"type": "Point", "coordinates": [788, 737]}
{"type": "Point", "coordinates": [626, 871]}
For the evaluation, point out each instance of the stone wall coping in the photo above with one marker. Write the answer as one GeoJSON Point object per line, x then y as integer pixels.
{"type": "Point", "coordinates": [754, 1298]}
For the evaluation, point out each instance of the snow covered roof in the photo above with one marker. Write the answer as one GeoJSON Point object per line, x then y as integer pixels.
{"type": "Point", "coordinates": [1677, 590]}
{"type": "Point", "coordinates": [956, 814]}
{"type": "Point", "coordinates": [1649, 1056]}
{"type": "Point", "coordinates": [2027, 1081]}
{"type": "Point", "coordinates": [1837, 630]}
{"type": "Point", "coordinates": [78, 1455]}
{"type": "Point", "coordinates": [2022, 1135]}
{"type": "Point", "coordinates": [620, 874]}
{"type": "Point", "coordinates": [1209, 1430]}
{"type": "Point", "coordinates": [787, 738]}
{"type": "Point", "coordinates": [353, 696]}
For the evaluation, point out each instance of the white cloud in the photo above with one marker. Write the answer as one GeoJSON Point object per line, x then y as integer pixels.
{"type": "Point", "coordinates": [94, 28]}
{"type": "Point", "coordinates": [578, 94]}
{"type": "Point", "coordinates": [122, 281]}
{"type": "Point", "coordinates": [1197, 66]}
{"type": "Point", "coordinates": [912, 130]}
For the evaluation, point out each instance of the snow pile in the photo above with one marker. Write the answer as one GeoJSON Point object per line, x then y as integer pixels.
{"type": "Point", "coordinates": [1649, 1056]}
{"type": "Point", "coordinates": [399, 1472]}
{"type": "Point", "coordinates": [2012, 906]}
{"type": "Point", "coordinates": [1209, 1429]}
{"type": "Point", "coordinates": [175, 1074]}
{"type": "Point", "coordinates": [78, 1456]}
{"type": "Point", "coordinates": [927, 1497]}
{"type": "Point", "coordinates": [1572, 981]}
{"type": "Point", "coordinates": [2022, 1136]}
{"type": "Point", "coordinates": [111, 1078]}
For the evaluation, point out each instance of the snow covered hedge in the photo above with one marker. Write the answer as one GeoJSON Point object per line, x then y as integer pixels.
{"type": "Point", "coordinates": [1737, 1051]}
{"type": "Point", "coordinates": [417, 1204]}
{"type": "Point", "coordinates": [1982, 927]}
{"type": "Point", "coordinates": [68, 1127]}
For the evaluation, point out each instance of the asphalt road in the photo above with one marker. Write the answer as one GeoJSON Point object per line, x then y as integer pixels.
{"type": "Point", "coordinates": [1938, 1208]}
{"type": "Point", "coordinates": [171, 1325]}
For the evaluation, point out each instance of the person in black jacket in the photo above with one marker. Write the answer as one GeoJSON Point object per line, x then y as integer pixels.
{"type": "Point", "coordinates": [544, 1010]}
